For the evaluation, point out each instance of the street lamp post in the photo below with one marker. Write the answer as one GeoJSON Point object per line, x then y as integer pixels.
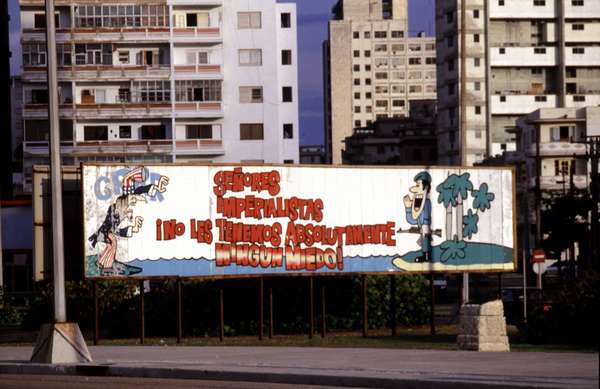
{"type": "Point", "coordinates": [58, 342]}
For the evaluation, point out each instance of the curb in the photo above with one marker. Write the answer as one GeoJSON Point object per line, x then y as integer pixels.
{"type": "Point", "coordinates": [97, 370]}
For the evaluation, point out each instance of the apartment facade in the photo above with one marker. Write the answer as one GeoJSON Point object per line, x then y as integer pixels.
{"type": "Point", "coordinates": [372, 68]}
{"type": "Point", "coordinates": [164, 81]}
{"type": "Point", "coordinates": [515, 57]}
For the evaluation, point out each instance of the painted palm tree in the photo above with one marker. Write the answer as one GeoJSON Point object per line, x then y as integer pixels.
{"type": "Point", "coordinates": [447, 198]}
{"type": "Point", "coordinates": [462, 187]}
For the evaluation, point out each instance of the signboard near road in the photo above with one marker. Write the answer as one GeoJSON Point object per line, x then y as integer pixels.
{"type": "Point", "coordinates": [209, 220]}
{"type": "Point", "coordinates": [539, 256]}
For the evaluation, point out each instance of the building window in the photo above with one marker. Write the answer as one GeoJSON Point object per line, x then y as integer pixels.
{"type": "Point", "coordinates": [414, 61]}
{"type": "Point", "coordinates": [539, 50]}
{"type": "Point", "coordinates": [92, 133]}
{"type": "Point", "coordinates": [578, 50]}
{"type": "Point", "coordinates": [368, 95]}
{"type": "Point", "coordinates": [501, 3]}
{"type": "Point", "coordinates": [286, 20]}
{"type": "Point", "coordinates": [248, 20]}
{"type": "Point", "coordinates": [251, 131]}
{"type": "Point", "coordinates": [357, 81]}
{"type": "Point", "coordinates": [39, 96]}
{"type": "Point", "coordinates": [579, 99]}
{"type": "Point", "coordinates": [125, 132]}
{"type": "Point", "coordinates": [476, 38]}
{"type": "Point", "coordinates": [450, 89]}
{"type": "Point", "coordinates": [356, 53]}
{"type": "Point", "coordinates": [478, 134]}
{"type": "Point", "coordinates": [367, 53]}
{"type": "Point", "coordinates": [368, 109]}
{"type": "Point", "coordinates": [124, 56]}
{"type": "Point", "coordinates": [153, 132]}
{"type": "Point", "coordinates": [357, 95]}
{"type": "Point", "coordinates": [477, 110]}
{"type": "Point", "coordinates": [251, 94]}
{"type": "Point", "coordinates": [357, 123]}
{"type": "Point", "coordinates": [286, 57]}
{"type": "Point", "coordinates": [357, 109]}
{"type": "Point", "coordinates": [537, 71]}
{"type": "Point", "coordinates": [571, 72]}
{"type": "Point", "coordinates": [475, 14]}
{"type": "Point", "coordinates": [139, 15]}
{"type": "Point", "coordinates": [288, 131]}
{"type": "Point", "coordinates": [415, 88]}
{"type": "Point", "coordinates": [577, 3]}
{"type": "Point", "coordinates": [39, 21]}
{"type": "Point", "coordinates": [539, 3]}
{"type": "Point", "coordinates": [430, 61]}
{"type": "Point", "coordinates": [286, 92]}
{"type": "Point", "coordinates": [367, 34]}
{"type": "Point", "coordinates": [198, 131]}
{"type": "Point", "coordinates": [381, 75]}
{"type": "Point", "coordinates": [578, 27]}
{"type": "Point", "coordinates": [198, 90]}
{"type": "Point", "coordinates": [449, 17]}
{"type": "Point", "coordinates": [398, 103]}
{"type": "Point", "coordinates": [367, 68]}
{"type": "Point", "coordinates": [380, 34]}
{"type": "Point", "coordinates": [151, 91]}
{"type": "Point", "coordinates": [502, 50]}
{"type": "Point", "coordinates": [380, 48]}
{"type": "Point", "coordinates": [477, 62]}
{"type": "Point", "coordinates": [250, 57]}
{"type": "Point", "coordinates": [397, 34]}
{"type": "Point", "coordinates": [356, 68]}
{"type": "Point", "coordinates": [93, 54]}
{"type": "Point", "coordinates": [367, 81]}
{"type": "Point", "coordinates": [356, 34]}
{"type": "Point", "coordinates": [503, 99]}
{"type": "Point", "coordinates": [541, 98]}
{"type": "Point", "coordinates": [477, 86]}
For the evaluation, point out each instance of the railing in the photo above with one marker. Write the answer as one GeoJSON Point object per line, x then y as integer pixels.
{"type": "Point", "coordinates": [132, 146]}
{"type": "Point", "coordinates": [31, 73]}
{"type": "Point", "coordinates": [209, 33]}
{"type": "Point", "coordinates": [198, 69]}
{"type": "Point", "coordinates": [124, 109]}
{"type": "Point", "coordinates": [101, 33]}
{"type": "Point", "coordinates": [560, 182]}
{"type": "Point", "coordinates": [41, 110]}
{"type": "Point", "coordinates": [558, 149]}
{"type": "Point", "coordinates": [197, 107]}
{"type": "Point", "coordinates": [199, 146]}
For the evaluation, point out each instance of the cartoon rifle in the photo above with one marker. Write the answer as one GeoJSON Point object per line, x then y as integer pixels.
{"type": "Point", "coordinates": [417, 230]}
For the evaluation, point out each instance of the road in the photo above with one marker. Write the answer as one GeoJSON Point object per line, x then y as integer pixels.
{"type": "Point", "coordinates": [75, 382]}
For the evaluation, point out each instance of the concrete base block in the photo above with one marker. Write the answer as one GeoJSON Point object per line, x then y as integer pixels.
{"type": "Point", "coordinates": [60, 343]}
{"type": "Point", "coordinates": [482, 325]}
{"type": "Point", "coordinates": [493, 308]}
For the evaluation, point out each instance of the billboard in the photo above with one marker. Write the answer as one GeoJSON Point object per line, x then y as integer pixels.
{"type": "Point", "coordinates": [229, 220]}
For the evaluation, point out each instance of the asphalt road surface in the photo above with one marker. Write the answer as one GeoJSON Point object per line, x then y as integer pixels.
{"type": "Point", "coordinates": [70, 382]}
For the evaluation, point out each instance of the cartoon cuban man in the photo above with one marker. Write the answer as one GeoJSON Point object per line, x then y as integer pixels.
{"type": "Point", "coordinates": [119, 221]}
{"type": "Point", "coordinates": [418, 212]}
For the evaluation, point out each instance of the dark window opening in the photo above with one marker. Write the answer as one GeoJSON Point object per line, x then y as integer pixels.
{"type": "Point", "coordinates": [286, 20]}
{"type": "Point", "coordinates": [39, 96]}
{"type": "Point", "coordinates": [95, 133]}
{"type": "Point", "coordinates": [191, 20]}
{"type": "Point", "coordinates": [286, 57]}
{"type": "Point", "coordinates": [153, 132]}
{"type": "Point", "coordinates": [288, 131]}
{"type": "Point", "coordinates": [287, 94]}
{"type": "Point", "coordinates": [198, 131]}
{"type": "Point", "coordinates": [125, 132]}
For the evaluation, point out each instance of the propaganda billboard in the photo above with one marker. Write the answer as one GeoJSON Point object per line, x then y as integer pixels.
{"type": "Point", "coordinates": [229, 220]}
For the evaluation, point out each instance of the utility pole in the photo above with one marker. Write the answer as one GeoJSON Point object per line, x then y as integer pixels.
{"type": "Point", "coordinates": [51, 346]}
{"type": "Point", "coordinates": [463, 115]}
{"type": "Point", "coordinates": [593, 155]}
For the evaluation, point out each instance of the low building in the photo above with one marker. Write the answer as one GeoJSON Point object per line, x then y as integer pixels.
{"type": "Point", "coordinates": [397, 141]}
{"type": "Point", "coordinates": [312, 155]}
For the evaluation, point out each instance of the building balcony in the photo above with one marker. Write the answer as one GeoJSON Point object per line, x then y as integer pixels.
{"type": "Point", "coordinates": [123, 110]}
{"type": "Point", "coordinates": [187, 72]}
{"type": "Point", "coordinates": [142, 146]}
{"type": "Point", "coordinates": [199, 109]}
{"type": "Point", "coordinates": [94, 72]}
{"type": "Point", "coordinates": [199, 147]}
{"type": "Point", "coordinates": [521, 104]}
{"type": "Point", "coordinates": [557, 149]}
{"type": "Point", "coordinates": [523, 56]}
{"type": "Point", "coordinates": [41, 148]}
{"type": "Point", "coordinates": [589, 57]}
{"type": "Point", "coordinates": [560, 183]}
{"type": "Point", "coordinates": [40, 111]}
{"type": "Point", "coordinates": [515, 9]}
{"type": "Point", "coordinates": [100, 34]}
{"type": "Point", "coordinates": [197, 35]}
{"type": "Point", "coordinates": [583, 100]}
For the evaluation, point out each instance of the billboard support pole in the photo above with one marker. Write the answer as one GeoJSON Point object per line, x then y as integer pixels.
{"type": "Point", "coordinates": [221, 318]}
{"type": "Point", "coordinates": [364, 306]}
{"type": "Point", "coordinates": [393, 304]}
{"type": "Point", "coordinates": [261, 308]}
{"type": "Point", "coordinates": [59, 341]}
{"type": "Point", "coordinates": [142, 324]}
{"type": "Point", "coordinates": [431, 305]}
{"type": "Point", "coordinates": [96, 321]}
{"type": "Point", "coordinates": [323, 311]}
{"type": "Point", "coordinates": [525, 285]}
{"type": "Point", "coordinates": [179, 310]}
{"type": "Point", "coordinates": [270, 312]}
{"type": "Point", "coordinates": [311, 307]}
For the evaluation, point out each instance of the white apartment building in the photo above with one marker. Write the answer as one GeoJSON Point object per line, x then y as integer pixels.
{"type": "Point", "coordinates": [515, 56]}
{"type": "Point", "coordinates": [372, 68]}
{"type": "Point", "coordinates": [162, 81]}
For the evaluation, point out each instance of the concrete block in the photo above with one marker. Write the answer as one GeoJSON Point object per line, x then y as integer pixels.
{"type": "Point", "coordinates": [492, 308]}
{"type": "Point", "coordinates": [482, 325]}
{"type": "Point", "coordinates": [60, 343]}
{"type": "Point", "coordinates": [469, 310]}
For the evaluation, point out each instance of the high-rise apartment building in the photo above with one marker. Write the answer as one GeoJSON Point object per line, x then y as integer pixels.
{"type": "Point", "coordinates": [372, 68]}
{"type": "Point", "coordinates": [162, 81]}
{"type": "Point", "coordinates": [501, 59]}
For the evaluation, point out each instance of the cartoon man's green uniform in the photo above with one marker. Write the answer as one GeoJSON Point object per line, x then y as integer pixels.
{"type": "Point", "coordinates": [418, 212]}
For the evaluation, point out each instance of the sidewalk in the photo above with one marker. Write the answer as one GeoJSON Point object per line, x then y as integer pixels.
{"type": "Point", "coordinates": [328, 366]}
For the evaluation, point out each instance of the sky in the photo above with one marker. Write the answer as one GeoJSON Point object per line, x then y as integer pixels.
{"type": "Point", "coordinates": [312, 30]}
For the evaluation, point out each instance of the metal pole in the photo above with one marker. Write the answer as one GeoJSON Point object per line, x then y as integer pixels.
{"type": "Point", "coordinates": [221, 316]}
{"type": "Point", "coordinates": [142, 324]}
{"type": "Point", "coordinates": [431, 305]}
{"type": "Point", "coordinates": [60, 311]}
{"type": "Point", "coordinates": [323, 313]}
{"type": "Point", "coordinates": [538, 191]}
{"type": "Point", "coordinates": [465, 288]}
{"type": "Point", "coordinates": [270, 312]}
{"type": "Point", "coordinates": [525, 285]}
{"type": "Point", "coordinates": [96, 321]}
{"type": "Point", "coordinates": [393, 304]}
{"type": "Point", "coordinates": [364, 307]}
{"type": "Point", "coordinates": [261, 310]}
{"type": "Point", "coordinates": [1, 262]}
{"type": "Point", "coordinates": [179, 310]}
{"type": "Point", "coordinates": [311, 308]}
